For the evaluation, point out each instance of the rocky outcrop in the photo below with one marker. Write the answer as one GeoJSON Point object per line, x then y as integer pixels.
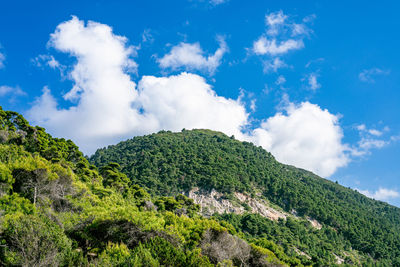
{"type": "Point", "coordinates": [216, 202]}
{"type": "Point", "coordinates": [314, 223]}
{"type": "Point", "coordinates": [261, 207]}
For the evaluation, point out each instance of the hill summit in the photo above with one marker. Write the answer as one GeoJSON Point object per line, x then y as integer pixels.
{"type": "Point", "coordinates": [169, 163]}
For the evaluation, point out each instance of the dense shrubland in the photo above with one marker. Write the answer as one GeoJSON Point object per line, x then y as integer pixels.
{"type": "Point", "coordinates": [57, 209]}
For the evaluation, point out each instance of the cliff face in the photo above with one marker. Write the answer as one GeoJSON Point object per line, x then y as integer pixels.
{"type": "Point", "coordinates": [215, 202]}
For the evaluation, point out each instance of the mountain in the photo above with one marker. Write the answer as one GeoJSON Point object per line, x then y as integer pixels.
{"type": "Point", "coordinates": [321, 222]}
{"type": "Point", "coordinates": [194, 198]}
{"type": "Point", "coordinates": [57, 209]}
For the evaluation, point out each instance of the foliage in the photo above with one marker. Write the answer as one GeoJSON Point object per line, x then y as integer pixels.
{"type": "Point", "coordinates": [56, 209]}
{"type": "Point", "coordinates": [33, 241]}
{"type": "Point", "coordinates": [169, 163]}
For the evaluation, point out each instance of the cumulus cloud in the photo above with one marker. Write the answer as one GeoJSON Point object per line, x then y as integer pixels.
{"type": "Point", "coordinates": [305, 136]}
{"type": "Point", "coordinates": [369, 75]}
{"type": "Point", "coordinates": [110, 108]}
{"type": "Point", "coordinates": [191, 57]}
{"type": "Point", "coordinates": [102, 89]}
{"type": "Point", "coordinates": [106, 106]}
{"type": "Point", "coordinates": [383, 194]}
{"type": "Point", "coordinates": [187, 101]}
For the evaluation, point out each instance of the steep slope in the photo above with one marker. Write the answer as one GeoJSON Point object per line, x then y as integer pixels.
{"type": "Point", "coordinates": [56, 209]}
{"type": "Point", "coordinates": [169, 163]}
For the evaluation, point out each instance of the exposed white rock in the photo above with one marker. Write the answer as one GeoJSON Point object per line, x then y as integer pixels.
{"type": "Point", "coordinates": [261, 207]}
{"type": "Point", "coordinates": [338, 259]}
{"type": "Point", "coordinates": [314, 223]}
{"type": "Point", "coordinates": [298, 251]}
{"type": "Point", "coordinates": [214, 202]}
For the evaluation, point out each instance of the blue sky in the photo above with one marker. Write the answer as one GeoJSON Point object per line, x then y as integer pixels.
{"type": "Point", "coordinates": [316, 83]}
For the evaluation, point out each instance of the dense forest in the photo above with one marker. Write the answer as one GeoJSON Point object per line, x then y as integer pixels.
{"type": "Point", "coordinates": [358, 229]}
{"type": "Point", "coordinates": [57, 209]}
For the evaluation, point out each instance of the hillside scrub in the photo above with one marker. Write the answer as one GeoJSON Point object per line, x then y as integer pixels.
{"type": "Point", "coordinates": [57, 209]}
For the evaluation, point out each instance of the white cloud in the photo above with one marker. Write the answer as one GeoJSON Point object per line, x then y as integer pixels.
{"type": "Point", "coordinates": [107, 106]}
{"type": "Point", "coordinates": [307, 137]}
{"type": "Point", "coordinates": [282, 35]}
{"type": "Point", "coordinates": [375, 132]}
{"type": "Point", "coordinates": [11, 94]}
{"type": "Point", "coordinates": [274, 21]}
{"type": "Point", "coordinates": [253, 105]}
{"type": "Point", "coordinates": [383, 194]}
{"type": "Point", "coordinates": [47, 60]}
{"type": "Point", "coordinates": [300, 29]}
{"type": "Point", "coordinates": [314, 61]}
{"type": "Point", "coordinates": [368, 140]}
{"type": "Point", "coordinates": [395, 138]}
{"type": "Point", "coordinates": [218, 2]}
{"type": "Point", "coordinates": [103, 91]}
{"type": "Point", "coordinates": [366, 143]}
{"type": "Point", "coordinates": [275, 18]}
{"type": "Point", "coordinates": [275, 40]}
{"type": "Point", "coordinates": [11, 91]}
{"type": "Point", "coordinates": [147, 37]}
{"type": "Point", "coordinates": [274, 65]}
{"type": "Point", "coordinates": [2, 58]}
{"type": "Point", "coordinates": [281, 80]}
{"type": "Point", "coordinates": [369, 75]}
{"type": "Point", "coordinates": [187, 101]}
{"type": "Point", "coordinates": [211, 3]}
{"type": "Point", "coordinates": [265, 46]}
{"type": "Point", "coordinates": [191, 57]}
{"type": "Point", "coordinates": [50, 61]}
{"type": "Point", "coordinates": [313, 82]}
{"type": "Point", "coordinates": [361, 127]}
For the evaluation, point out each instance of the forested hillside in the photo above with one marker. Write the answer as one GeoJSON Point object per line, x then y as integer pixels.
{"type": "Point", "coordinates": [356, 228]}
{"type": "Point", "coordinates": [125, 208]}
{"type": "Point", "coordinates": [56, 209]}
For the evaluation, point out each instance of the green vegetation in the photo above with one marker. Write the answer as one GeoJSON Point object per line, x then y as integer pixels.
{"type": "Point", "coordinates": [57, 209]}
{"type": "Point", "coordinates": [355, 228]}
{"type": "Point", "coordinates": [125, 207]}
